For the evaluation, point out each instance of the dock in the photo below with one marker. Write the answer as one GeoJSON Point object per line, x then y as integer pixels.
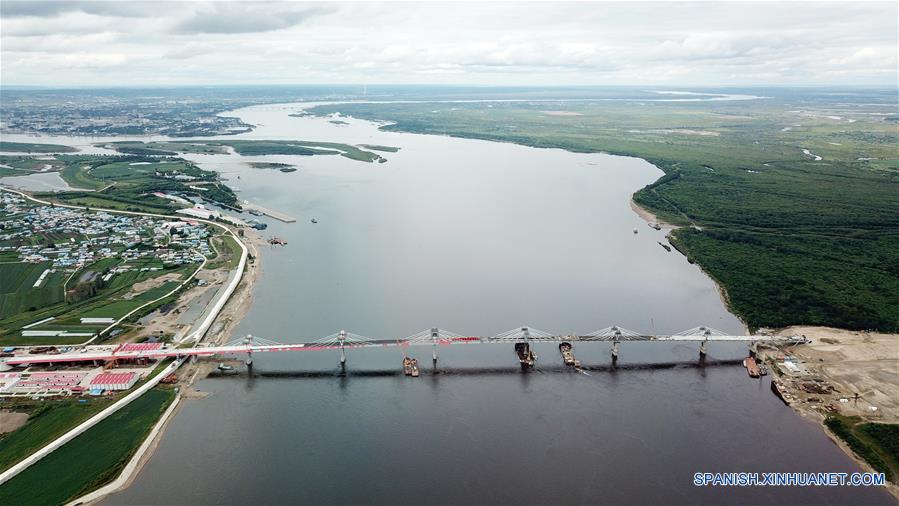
{"type": "Point", "coordinates": [268, 212]}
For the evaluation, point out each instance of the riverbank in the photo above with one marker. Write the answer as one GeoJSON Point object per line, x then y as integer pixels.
{"type": "Point", "coordinates": [75, 436]}
{"type": "Point", "coordinates": [831, 369]}
{"type": "Point", "coordinates": [235, 309]}
{"type": "Point", "coordinates": [650, 218]}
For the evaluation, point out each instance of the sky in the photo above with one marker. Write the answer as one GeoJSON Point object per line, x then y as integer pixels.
{"type": "Point", "coordinates": [122, 43]}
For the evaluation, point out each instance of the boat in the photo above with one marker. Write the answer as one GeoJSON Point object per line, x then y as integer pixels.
{"type": "Point", "coordinates": [635, 230]}
{"type": "Point", "coordinates": [407, 366]}
{"type": "Point", "coordinates": [778, 390]}
{"type": "Point", "coordinates": [415, 370]}
{"type": "Point", "coordinates": [314, 220]}
{"type": "Point", "coordinates": [567, 355]}
{"type": "Point", "coordinates": [224, 367]}
{"type": "Point", "coordinates": [526, 357]}
{"type": "Point", "coordinates": [751, 367]}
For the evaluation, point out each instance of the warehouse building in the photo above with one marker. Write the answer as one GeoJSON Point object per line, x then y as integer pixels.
{"type": "Point", "coordinates": [114, 381]}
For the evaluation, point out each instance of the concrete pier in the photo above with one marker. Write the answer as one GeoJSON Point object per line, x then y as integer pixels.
{"type": "Point", "coordinates": [268, 212]}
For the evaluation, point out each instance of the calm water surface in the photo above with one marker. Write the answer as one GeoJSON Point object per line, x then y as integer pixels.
{"type": "Point", "coordinates": [475, 237]}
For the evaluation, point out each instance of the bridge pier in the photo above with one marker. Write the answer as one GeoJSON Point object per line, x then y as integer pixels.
{"type": "Point", "coordinates": [703, 351]}
{"type": "Point", "coordinates": [615, 353]}
{"type": "Point", "coordinates": [753, 349]}
{"type": "Point", "coordinates": [435, 333]}
{"type": "Point", "coordinates": [249, 342]}
{"type": "Point", "coordinates": [341, 338]}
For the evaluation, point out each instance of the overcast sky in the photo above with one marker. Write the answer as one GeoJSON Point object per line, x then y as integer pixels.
{"type": "Point", "coordinates": [156, 43]}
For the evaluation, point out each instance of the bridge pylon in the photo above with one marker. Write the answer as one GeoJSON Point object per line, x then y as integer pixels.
{"type": "Point", "coordinates": [248, 341]}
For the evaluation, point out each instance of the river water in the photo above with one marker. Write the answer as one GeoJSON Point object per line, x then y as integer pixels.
{"type": "Point", "coordinates": [475, 237]}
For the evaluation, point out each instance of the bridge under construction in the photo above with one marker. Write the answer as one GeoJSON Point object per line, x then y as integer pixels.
{"type": "Point", "coordinates": [519, 337]}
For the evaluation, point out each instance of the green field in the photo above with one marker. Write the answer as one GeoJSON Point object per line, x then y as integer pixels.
{"type": "Point", "coordinates": [47, 422]}
{"type": "Point", "coordinates": [109, 302]}
{"type": "Point", "coordinates": [91, 459]}
{"type": "Point", "coordinates": [264, 147]}
{"type": "Point", "coordinates": [229, 253]}
{"type": "Point", "coordinates": [792, 240]}
{"type": "Point", "coordinates": [17, 292]}
{"type": "Point", "coordinates": [128, 182]}
{"type": "Point", "coordinates": [876, 443]}
{"type": "Point", "coordinates": [165, 148]}
{"type": "Point", "coordinates": [31, 147]}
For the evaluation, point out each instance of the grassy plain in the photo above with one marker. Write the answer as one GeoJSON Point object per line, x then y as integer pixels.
{"type": "Point", "coordinates": [91, 459]}
{"type": "Point", "coordinates": [33, 147]}
{"type": "Point", "coordinates": [260, 147]}
{"type": "Point", "coordinates": [128, 183]}
{"type": "Point", "coordinates": [792, 239]}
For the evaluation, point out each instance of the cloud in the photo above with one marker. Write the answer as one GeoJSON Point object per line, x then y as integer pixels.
{"type": "Point", "coordinates": [195, 42]}
{"type": "Point", "coordinates": [43, 9]}
{"type": "Point", "coordinates": [253, 17]}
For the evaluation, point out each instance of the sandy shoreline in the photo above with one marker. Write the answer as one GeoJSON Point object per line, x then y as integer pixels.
{"type": "Point", "coordinates": [649, 217]}
{"type": "Point", "coordinates": [850, 361]}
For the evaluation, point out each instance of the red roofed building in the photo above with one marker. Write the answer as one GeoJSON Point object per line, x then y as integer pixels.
{"type": "Point", "coordinates": [139, 347]}
{"type": "Point", "coordinates": [114, 381]}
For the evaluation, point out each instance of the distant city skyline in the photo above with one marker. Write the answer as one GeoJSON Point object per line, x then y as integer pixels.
{"type": "Point", "coordinates": [100, 44]}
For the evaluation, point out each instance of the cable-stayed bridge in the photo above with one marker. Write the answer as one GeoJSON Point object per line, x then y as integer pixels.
{"type": "Point", "coordinates": [434, 337]}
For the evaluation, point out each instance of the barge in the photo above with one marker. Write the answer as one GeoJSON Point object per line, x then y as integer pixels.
{"type": "Point", "coordinates": [567, 355]}
{"type": "Point", "coordinates": [751, 367]}
{"type": "Point", "coordinates": [526, 356]}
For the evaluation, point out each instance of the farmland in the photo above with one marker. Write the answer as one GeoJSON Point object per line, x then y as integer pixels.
{"type": "Point", "coordinates": [98, 455]}
{"type": "Point", "coordinates": [47, 421]}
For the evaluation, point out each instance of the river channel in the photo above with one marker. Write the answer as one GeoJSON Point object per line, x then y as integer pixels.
{"type": "Point", "coordinates": [475, 237]}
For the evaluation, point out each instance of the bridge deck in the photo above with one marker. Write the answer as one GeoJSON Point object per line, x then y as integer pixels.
{"type": "Point", "coordinates": [334, 344]}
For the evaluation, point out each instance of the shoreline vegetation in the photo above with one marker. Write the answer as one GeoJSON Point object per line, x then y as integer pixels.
{"type": "Point", "coordinates": [35, 148]}
{"type": "Point", "coordinates": [792, 240]}
{"type": "Point", "coordinates": [283, 167]}
{"type": "Point", "coordinates": [245, 147]}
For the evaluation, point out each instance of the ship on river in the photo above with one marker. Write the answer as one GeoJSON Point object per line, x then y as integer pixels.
{"type": "Point", "coordinates": [526, 356]}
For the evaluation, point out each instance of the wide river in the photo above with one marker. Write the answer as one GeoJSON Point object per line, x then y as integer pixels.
{"type": "Point", "coordinates": [475, 237]}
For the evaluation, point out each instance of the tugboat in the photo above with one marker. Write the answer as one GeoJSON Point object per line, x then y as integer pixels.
{"type": "Point", "coordinates": [314, 220]}
{"type": "Point", "coordinates": [567, 355]}
{"type": "Point", "coordinates": [410, 367]}
{"type": "Point", "coordinates": [526, 357]}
